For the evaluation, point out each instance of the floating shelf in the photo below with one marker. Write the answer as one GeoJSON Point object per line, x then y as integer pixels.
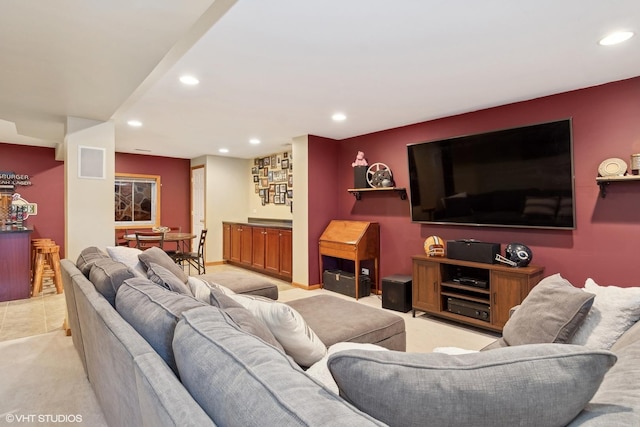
{"type": "Point", "coordinates": [604, 181]}
{"type": "Point", "coordinates": [357, 192]}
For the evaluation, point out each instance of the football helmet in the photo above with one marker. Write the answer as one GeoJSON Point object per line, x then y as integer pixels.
{"type": "Point", "coordinates": [434, 246]}
{"type": "Point", "coordinates": [516, 255]}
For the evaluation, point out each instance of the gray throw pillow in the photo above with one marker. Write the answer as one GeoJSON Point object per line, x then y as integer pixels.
{"type": "Point", "coordinates": [157, 255]}
{"type": "Point", "coordinates": [87, 257]}
{"type": "Point", "coordinates": [551, 313]}
{"type": "Point", "coordinates": [154, 313]}
{"type": "Point", "coordinates": [528, 385]}
{"type": "Point", "coordinates": [107, 275]}
{"type": "Point", "coordinates": [163, 277]}
{"type": "Point", "coordinates": [241, 381]}
{"type": "Point", "coordinates": [243, 317]}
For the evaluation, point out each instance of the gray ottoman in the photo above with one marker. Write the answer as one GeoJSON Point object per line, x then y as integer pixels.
{"type": "Point", "coordinates": [335, 320]}
{"type": "Point", "coordinates": [242, 282]}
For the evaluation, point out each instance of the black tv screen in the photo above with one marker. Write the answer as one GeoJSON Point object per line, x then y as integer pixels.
{"type": "Point", "coordinates": [520, 177]}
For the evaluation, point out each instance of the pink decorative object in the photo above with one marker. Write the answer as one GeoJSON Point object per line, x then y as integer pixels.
{"type": "Point", "coordinates": [360, 160]}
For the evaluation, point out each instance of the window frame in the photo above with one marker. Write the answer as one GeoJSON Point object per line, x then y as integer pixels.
{"type": "Point", "coordinates": [154, 180]}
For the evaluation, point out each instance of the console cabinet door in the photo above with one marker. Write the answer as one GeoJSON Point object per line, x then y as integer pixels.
{"type": "Point", "coordinates": [426, 286]}
{"type": "Point", "coordinates": [246, 247]}
{"type": "Point", "coordinates": [258, 247]}
{"type": "Point", "coordinates": [286, 253]}
{"type": "Point", "coordinates": [236, 242]}
{"type": "Point", "coordinates": [507, 291]}
{"type": "Point", "coordinates": [272, 250]}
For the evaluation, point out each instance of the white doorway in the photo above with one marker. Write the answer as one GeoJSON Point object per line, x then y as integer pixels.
{"type": "Point", "coordinates": [197, 202]}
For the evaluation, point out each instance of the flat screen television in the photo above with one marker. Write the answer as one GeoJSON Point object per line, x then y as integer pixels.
{"type": "Point", "coordinates": [520, 177]}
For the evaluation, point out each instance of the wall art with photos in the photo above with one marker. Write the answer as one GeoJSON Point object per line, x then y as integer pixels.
{"type": "Point", "coordinates": [273, 178]}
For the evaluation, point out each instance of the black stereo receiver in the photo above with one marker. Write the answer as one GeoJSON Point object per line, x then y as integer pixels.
{"type": "Point", "coordinates": [469, 309]}
{"type": "Point", "coordinates": [470, 281]}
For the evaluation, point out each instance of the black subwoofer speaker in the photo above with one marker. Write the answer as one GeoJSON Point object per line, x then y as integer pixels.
{"type": "Point", "coordinates": [396, 293]}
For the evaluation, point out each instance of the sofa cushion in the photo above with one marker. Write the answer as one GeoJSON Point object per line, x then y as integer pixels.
{"type": "Point", "coordinates": [616, 403]}
{"type": "Point", "coordinates": [243, 282]}
{"type": "Point", "coordinates": [243, 317]}
{"type": "Point", "coordinates": [87, 257]}
{"type": "Point", "coordinates": [129, 257]}
{"type": "Point", "coordinates": [163, 400]}
{"type": "Point", "coordinates": [107, 275]}
{"type": "Point", "coordinates": [551, 313]}
{"type": "Point", "coordinates": [614, 311]}
{"type": "Point", "coordinates": [157, 255]}
{"type": "Point", "coordinates": [336, 319]}
{"type": "Point", "coordinates": [320, 370]}
{"type": "Point", "coordinates": [287, 325]}
{"type": "Point", "coordinates": [527, 385]}
{"type": "Point", "coordinates": [239, 380]}
{"type": "Point", "coordinates": [153, 311]}
{"type": "Point", "coordinates": [163, 277]}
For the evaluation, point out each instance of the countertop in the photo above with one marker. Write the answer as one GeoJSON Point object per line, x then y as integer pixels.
{"type": "Point", "coordinates": [265, 222]}
{"type": "Point", "coordinates": [15, 229]}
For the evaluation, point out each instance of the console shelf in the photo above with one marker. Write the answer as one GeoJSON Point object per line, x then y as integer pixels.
{"type": "Point", "coordinates": [357, 192]}
{"type": "Point", "coordinates": [435, 292]}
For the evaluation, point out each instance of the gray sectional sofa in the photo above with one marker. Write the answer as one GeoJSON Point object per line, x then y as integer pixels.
{"type": "Point", "coordinates": [138, 381]}
{"type": "Point", "coordinates": [159, 357]}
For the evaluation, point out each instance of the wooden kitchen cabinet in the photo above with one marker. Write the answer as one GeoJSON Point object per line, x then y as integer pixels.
{"type": "Point", "coordinates": [264, 249]}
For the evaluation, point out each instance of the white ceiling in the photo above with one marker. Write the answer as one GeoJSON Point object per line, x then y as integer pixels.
{"type": "Point", "coordinates": [278, 69]}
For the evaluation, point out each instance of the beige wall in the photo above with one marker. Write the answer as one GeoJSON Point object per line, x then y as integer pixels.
{"type": "Point", "coordinates": [300, 211]}
{"type": "Point", "coordinates": [89, 215]}
{"type": "Point", "coordinates": [226, 182]}
{"type": "Point", "coordinates": [230, 196]}
{"type": "Point", "coordinates": [270, 210]}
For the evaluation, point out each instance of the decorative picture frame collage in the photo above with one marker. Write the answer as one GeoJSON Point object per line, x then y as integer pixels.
{"type": "Point", "coordinates": [273, 178]}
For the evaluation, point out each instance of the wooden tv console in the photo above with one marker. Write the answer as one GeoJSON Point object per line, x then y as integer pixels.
{"type": "Point", "coordinates": [485, 291]}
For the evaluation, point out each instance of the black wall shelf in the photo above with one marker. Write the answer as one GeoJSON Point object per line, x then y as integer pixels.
{"type": "Point", "coordinates": [357, 192]}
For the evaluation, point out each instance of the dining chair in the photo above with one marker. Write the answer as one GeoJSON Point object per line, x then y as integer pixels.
{"type": "Point", "coordinates": [195, 259]}
{"type": "Point", "coordinates": [120, 240]}
{"type": "Point", "coordinates": [174, 247]}
{"type": "Point", "coordinates": [146, 239]}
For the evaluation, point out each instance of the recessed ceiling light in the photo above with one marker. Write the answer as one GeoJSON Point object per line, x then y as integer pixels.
{"type": "Point", "coordinates": [134, 123]}
{"type": "Point", "coordinates": [223, 150]}
{"type": "Point", "coordinates": [189, 80]}
{"type": "Point", "coordinates": [615, 38]}
{"type": "Point", "coordinates": [254, 141]}
{"type": "Point", "coordinates": [338, 117]}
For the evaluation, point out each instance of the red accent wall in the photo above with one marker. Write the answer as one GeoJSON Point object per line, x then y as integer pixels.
{"type": "Point", "coordinates": [604, 245]}
{"type": "Point", "coordinates": [47, 189]}
{"type": "Point", "coordinates": [323, 201]}
{"type": "Point", "coordinates": [47, 176]}
{"type": "Point", "coordinates": [175, 177]}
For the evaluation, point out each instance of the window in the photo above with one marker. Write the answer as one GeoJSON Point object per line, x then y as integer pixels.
{"type": "Point", "coordinates": [137, 200]}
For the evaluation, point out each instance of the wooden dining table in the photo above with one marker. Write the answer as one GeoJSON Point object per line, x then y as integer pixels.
{"type": "Point", "coordinates": [181, 239]}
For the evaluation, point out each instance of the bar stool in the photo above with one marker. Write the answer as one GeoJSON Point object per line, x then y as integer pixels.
{"type": "Point", "coordinates": [47, 254]}
{"type": "Point", "coordinates": [35, 244]}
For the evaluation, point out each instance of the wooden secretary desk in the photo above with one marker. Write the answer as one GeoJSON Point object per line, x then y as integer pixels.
{"type": "Point", "coordinates": [352, 240]}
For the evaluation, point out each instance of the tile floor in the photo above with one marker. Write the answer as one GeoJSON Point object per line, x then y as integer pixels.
{"type": "Point", "coordinates": [33, 316]}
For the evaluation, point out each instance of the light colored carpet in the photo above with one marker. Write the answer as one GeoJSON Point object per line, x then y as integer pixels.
{"type": "Point", "coordinates": [43, 383]}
